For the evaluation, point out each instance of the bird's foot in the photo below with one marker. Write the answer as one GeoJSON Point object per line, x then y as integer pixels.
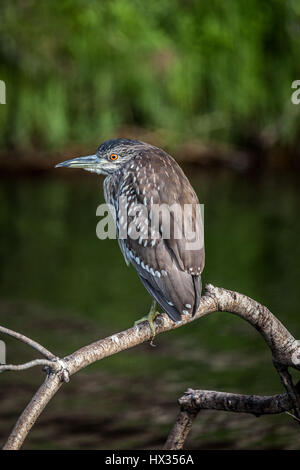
{"type": "Point", "coordinates": [150, 319]}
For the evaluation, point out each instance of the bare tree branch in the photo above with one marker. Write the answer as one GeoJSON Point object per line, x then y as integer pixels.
{"type": "Point", "coordinates": [33, 410]}
{"type": "Point", "coordinates": [180, 430]}
{"type": "Point", "coordinates": [26, 365]}
{"type": "Point", "coordinates": [29, 341]}
{"type": "Point", "coordinates": [194, 401]}
{"type": "Point", "coordinates": [284, 348]}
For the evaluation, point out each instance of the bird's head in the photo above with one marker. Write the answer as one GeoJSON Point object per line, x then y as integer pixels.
{"type": "Point", "coordinates": [109, 157]}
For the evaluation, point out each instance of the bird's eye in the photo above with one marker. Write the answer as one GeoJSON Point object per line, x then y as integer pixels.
{"type": "Point", "coordinates": [114, 156]}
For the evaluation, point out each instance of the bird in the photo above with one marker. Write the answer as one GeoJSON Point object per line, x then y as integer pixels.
{"type": "Point", "coordinates": [148, 178]}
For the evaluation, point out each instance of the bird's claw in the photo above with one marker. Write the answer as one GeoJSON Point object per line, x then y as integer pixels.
{"type": "Point", "coordinates": [150, 319]}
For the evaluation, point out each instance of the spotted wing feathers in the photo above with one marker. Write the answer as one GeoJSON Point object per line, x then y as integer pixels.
{"type": "Point", "coordinates": [168, 265]}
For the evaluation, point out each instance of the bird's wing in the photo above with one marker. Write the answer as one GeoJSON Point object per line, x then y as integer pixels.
{"type": "Point", "coordinates": [169, 267]}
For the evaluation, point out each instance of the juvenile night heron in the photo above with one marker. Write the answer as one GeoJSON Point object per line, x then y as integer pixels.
{"type": "Point", "coordinates": [144, 176]}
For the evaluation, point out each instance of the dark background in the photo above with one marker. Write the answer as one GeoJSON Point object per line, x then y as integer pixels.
{"type": "Point", "coordinates": [210, 83]}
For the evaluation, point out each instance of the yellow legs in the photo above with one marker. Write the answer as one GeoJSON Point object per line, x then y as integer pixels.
{"type": "Point", "coordinates": [150, 319]}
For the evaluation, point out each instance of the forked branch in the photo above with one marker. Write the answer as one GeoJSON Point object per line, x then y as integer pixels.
{"type": "Point", "coordinates": [193, 401]}
{"type": "Point", "coordinates": [284, 348]}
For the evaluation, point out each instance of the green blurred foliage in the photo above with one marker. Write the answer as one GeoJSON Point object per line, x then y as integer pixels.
{"type": "Point", "coordinates": [78, 71]}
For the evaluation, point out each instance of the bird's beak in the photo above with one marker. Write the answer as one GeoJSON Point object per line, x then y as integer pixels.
{"type": "Point", "coordinates": [88, 163]}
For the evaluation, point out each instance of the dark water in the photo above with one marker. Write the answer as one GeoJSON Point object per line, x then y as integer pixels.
{"type": "Point", "coordinates": [65, 288]}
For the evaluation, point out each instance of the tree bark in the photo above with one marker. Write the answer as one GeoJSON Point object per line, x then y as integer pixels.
{"type": "Point", "coordinates": [284, 348]}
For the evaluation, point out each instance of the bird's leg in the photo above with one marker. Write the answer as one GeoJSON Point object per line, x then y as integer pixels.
{"type": "Point", "coordinates": [150, 319]}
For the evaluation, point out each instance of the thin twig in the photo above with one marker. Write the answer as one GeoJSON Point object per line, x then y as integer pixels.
{"type": "Point", "coordinates": [30, 342]}
{"type": "Point", "coordinates": [287, 382]}
{"type": "Point", "coordinates": [26, 365]}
